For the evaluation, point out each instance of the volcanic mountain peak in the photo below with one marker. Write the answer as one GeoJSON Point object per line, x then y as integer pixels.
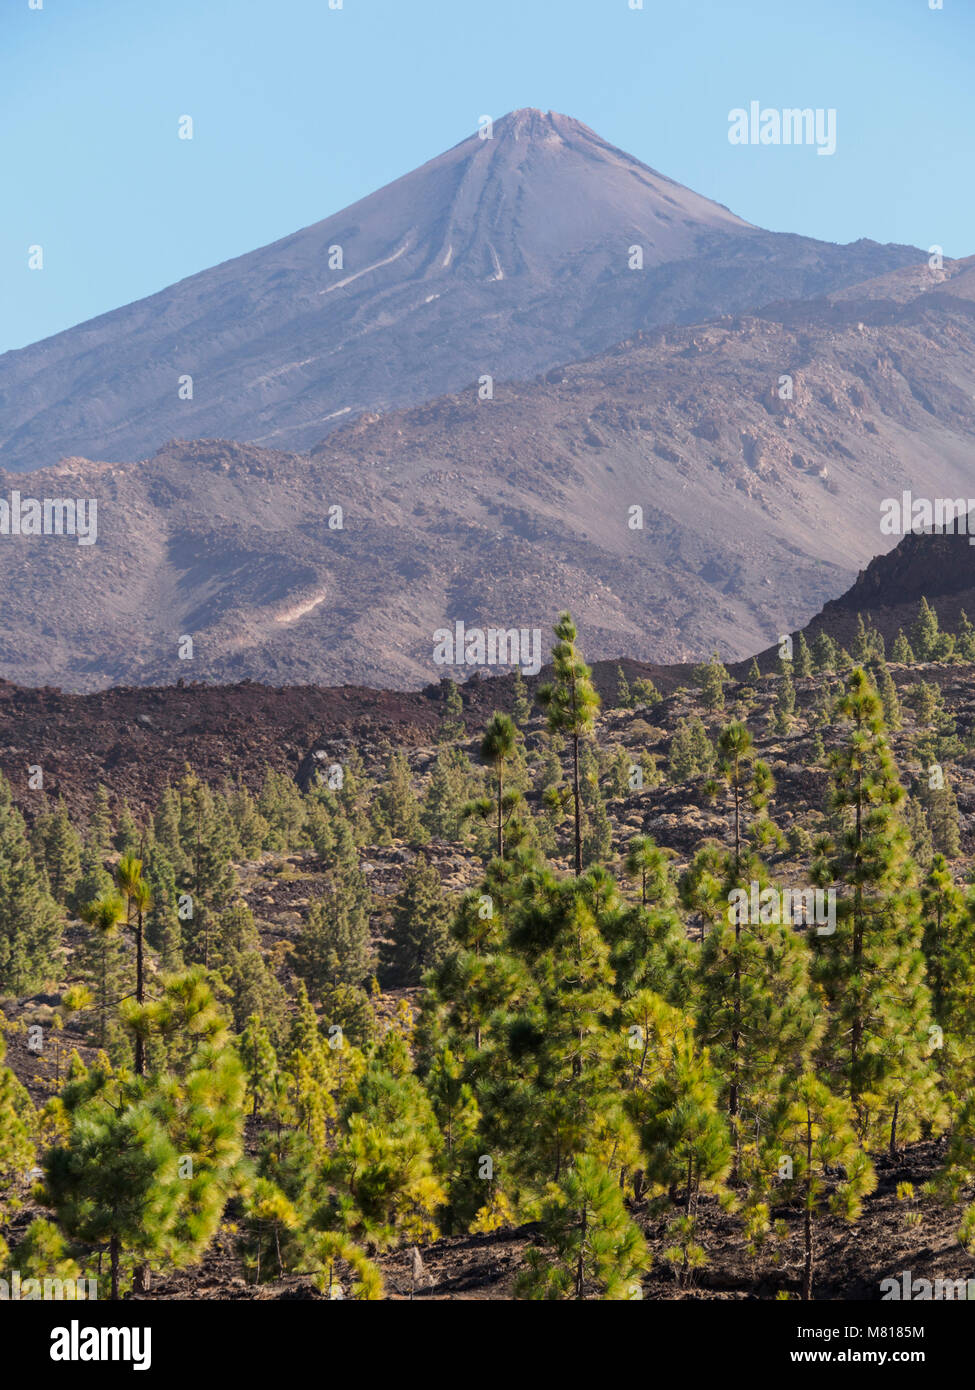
{"type": "Point", "coordinates": [552, 133]}
{"type": "Point", "coordinates": [507, 255]}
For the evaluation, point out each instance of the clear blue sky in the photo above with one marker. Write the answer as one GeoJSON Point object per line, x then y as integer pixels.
{"type": "Point", "coordinates": [299, 110]}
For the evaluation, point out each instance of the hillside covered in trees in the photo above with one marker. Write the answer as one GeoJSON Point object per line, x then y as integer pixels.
{"type": "Point", "coordinates": [648, 996]}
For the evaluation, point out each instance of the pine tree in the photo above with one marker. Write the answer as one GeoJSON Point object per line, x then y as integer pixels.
{"type": "Point", "coordinates": [747, 778]}
{"type": "Point", "coordinates": [260, 1062]}
{"type": "Point", "coordinates": [646, 863]}
{"type": "Point", "coordinates": [925, 697]}
{"type": "Point", "coordinates": [99, 839]}
{"type": "Point", "coordinates": [942, 915]}
{"type": "Point", "coordinates": [16, 1136]}
{"type": "Point", "coordinates": [756, 1011]}
{"type": "Point", "coordinates": [645, 693]}
{"type": "Point", "coordinates": [965, 638]}
{"type": "Point", "coordinates": [949, 950]}
{"type": "Point", "coordinates": [30, 930]}
{"type": "Point", "coordinates": [564, 1103]}
{"type": "Point", "coordinates": [889, 700]}
{"type": "Point", "coordinates": [237, 959]}
{"type": "Point", "coordinates": [447, 794]}
{"type": "Point", "coordinates": [93, 881]}
{"type": "Point", "coordinates": [252, 829]}
{"type": "Point", "coordinates": [420, 929]}
{"type": "Point", "coordinates": [163, 928]}
{"type": "Point", "coordinates": [397, 810]}
{"type": "Point", "coordinates": [497, 747]}
{"type": "Point", "coordinates": [701, 886]}
{"type": "Point", "coordinates": [207, 840]}
{"type": "Point", "coordinates": [691, 751]}
{"type": "Point", "coordinates": [127, 836]}
{"type": "Point", "coordinates": [956, 1179]}
{"type": "Point", "coordinates": [711, 678]}
{"type": "Point", "coordinates": [941, 809]}
{"type": "Point", "coordinates": [902, 653]}
{"type": "Point", "coordinates": [861, 649]}
{"type": "Point", "coordinates": [815, 1133]}
{"type": "Point", "coordinates": [597, 830]}
{"type": "Point", "coordinates": [57, 851]}
{"type": "Point", "coordinates": [685, 1142]}
{"type": "Point", "coordinates": [755, 1008]}
{"type": "Point", "coordinates": [927, 640]}
{"type": "Point", "coordinates": [382, 1170]}
{"type": "Point", "coordinates": [571, 704]}
{"type": "Point", "coordinates": [521, 711]}
{"type": "Point", "coordinates": [104, 915]}
{"type": "Point", "coordinates": [458, 1115]}
{"type": "Point", "coordinates": [594, 1243]}
{"type": "Point", "coordinates": [145, 1166]}
{"type": "Point", "coordinates": [871, 968]}
{"type": "Point", "coordinates": [785, 704]}
{"type": "Point", "coordinates": [825, 653]}
{"type": "Point", "coordinates": [45, 1254]}
{"type": "Point", "coordinates": [452, 729]}
{"type": "Point", "coordinates": [624, 696]}
{"type": "Point", "coordinates": [135, 892]}
{"type": "Point", "coordinates": [921, 844]}
{"type": "Point", "coordinates": [283, 808]}
{"type": "Point", "coordinates": [166, 832]}
{"type": "Point", "coordinates": [803, 657]}
{"type": "Point", "coordinates": [111, 1182]}
{"type": "Point", "coordinates": [333, 946]}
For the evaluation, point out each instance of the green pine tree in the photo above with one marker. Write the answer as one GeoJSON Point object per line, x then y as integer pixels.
{"type": "Point", "coordinates": [420, 929]}
{"type": "Point", "coordinates": [902, 651]}
{"type": "Point", "coordinates": [30, 928]}
{"type": "Point", "coordinates": [593, 1244]}
{"type": "Point", "coordinates": [571, 704]}
{"type": "Point", "coordinates": [871, 968]}
{"type": "Point", "coordinates": [397, 812]}
{"type": "Point", "coordinates": [803, 657]}
{"type": "Point", "coordinates": [825, 653]}
{"type": "Point", "coordinates": [57, 851]}
{"type": "Point", "coordinates": [815, 1134]}
{"type": "Point", "coordinates": [711, 678]}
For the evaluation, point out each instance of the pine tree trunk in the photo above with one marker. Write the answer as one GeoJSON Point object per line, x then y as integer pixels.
{"type": "Point", "coordinates": [575, 784]}
{"type": "Point", "coordinates": [580, 1263]}
{"type": "Point", "coordinates": [807, 1277]}
{"type": "Point", "coordinates": [893, 1128]}
{"type": "Point", "coordinates": [114, 1251]}
{"type": "Point", "coordinates": [856, 1032]}
{"type": "Point", "coordinates": [733, 1097]}
{"type": "Point", "coordinates": [737, 820]}
{"type": "Point", "coordinates": [140, 1047]}
{"type": "Point", "coordinates": [196, 900]}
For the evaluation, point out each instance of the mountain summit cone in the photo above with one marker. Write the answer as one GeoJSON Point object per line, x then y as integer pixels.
{"type": "Point", "coordinates": [503, 256]}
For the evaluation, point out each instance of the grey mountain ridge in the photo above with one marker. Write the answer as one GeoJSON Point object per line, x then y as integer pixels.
{"type": "Point", "coordinates": [504, 257]}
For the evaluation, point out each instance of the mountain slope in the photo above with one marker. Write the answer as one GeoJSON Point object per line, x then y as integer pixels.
{"type": "Point", "coordinates": [756, 511]}
{"type": "Point", "coordinates": [938, 567]}
{"type": "Point", "coordinates": [500, 257]}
